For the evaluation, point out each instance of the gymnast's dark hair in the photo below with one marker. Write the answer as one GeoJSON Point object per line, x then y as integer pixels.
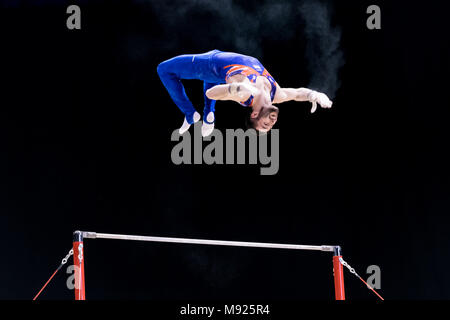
{"type": "Point", "coordinates": [250, 123]}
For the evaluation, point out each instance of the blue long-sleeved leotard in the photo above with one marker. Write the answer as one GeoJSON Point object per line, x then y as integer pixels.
{"type": "Point", "coordinates": [213, 68]}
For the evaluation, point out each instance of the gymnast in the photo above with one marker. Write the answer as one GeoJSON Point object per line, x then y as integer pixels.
{"type": "Point", "coordinates": [230, 76]}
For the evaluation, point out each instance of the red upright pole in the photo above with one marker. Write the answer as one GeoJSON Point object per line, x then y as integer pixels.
{"type": "Point", "coordinates": [78, 261]}
{"type": "Point", "coordinates": [338, 275]}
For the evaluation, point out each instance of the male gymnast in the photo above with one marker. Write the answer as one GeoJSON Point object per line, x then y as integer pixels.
{"type": "Point", "coordinates": [230, 76]}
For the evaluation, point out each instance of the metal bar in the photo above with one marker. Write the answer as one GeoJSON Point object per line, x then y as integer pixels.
{"type": "Point", "coordinates": [94, 235]}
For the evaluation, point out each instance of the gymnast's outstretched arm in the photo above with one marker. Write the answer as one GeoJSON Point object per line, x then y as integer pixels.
{"type": "Point", "coordinates": [236, 91]}
{"type": "Point", "coordinates": [302, 94]}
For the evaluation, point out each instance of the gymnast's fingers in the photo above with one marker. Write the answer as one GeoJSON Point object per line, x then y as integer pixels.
{"type": "Point", "coordinates": [314, 107]}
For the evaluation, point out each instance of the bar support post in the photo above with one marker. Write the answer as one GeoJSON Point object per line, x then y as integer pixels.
{"type": "Point", "coordinates": [78, 261]}
{"type": "Point", "coordinates": [338, 272]}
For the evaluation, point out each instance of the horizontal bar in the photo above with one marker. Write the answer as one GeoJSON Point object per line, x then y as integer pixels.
{"type": "Point", "coordinates": [94, 235]}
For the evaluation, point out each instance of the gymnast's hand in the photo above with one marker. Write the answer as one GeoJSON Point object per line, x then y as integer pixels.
{"type": "Point", "coordinates": [319, 98]}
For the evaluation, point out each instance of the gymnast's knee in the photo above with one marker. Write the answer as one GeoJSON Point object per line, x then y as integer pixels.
{"type": "Point", "coordinates": [162, 68]}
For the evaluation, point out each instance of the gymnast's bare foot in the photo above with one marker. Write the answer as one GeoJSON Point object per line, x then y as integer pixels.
{"type": "Point", "coordinates": [185, 127]}
{"type": "Point", "coordinates": [208, 125]}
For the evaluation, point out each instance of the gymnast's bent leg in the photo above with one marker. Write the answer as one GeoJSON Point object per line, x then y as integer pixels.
{"type": "Point", "coordinates": [171, 72]}
{"type": "Point", "coordinates": [208, 111]}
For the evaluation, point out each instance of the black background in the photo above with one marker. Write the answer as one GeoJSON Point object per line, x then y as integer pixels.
{"type": "Point", "coordinates": [85, 134]}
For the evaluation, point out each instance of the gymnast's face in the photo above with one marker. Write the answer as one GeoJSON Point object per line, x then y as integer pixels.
{"type": "Point", "coordinates": [265, 119]}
